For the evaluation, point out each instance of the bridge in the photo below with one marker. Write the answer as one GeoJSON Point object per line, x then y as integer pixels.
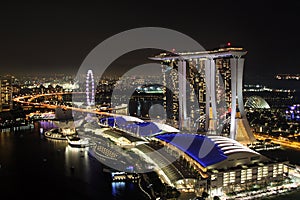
{"type": "Point", "coordinates": [28, 101]}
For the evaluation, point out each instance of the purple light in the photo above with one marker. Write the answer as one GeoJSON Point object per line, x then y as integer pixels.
{"type": "Point", "coordinates": [130, 168]}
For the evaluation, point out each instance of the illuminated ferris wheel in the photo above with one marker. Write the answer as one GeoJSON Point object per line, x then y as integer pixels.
{"type": "Point", "coordinates": [90, 88]}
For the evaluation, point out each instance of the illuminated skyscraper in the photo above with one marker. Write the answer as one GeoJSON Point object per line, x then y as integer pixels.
{"type": "Point", "coordinates": [204, 91]}
{"type": "Point", "coordinates": [6, 90]}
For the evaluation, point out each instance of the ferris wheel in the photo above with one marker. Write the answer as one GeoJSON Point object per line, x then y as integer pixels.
{"type": "Point", "coordinates": [90, 88]}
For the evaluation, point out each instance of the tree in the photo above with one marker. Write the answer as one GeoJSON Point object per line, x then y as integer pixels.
{"type": "Point", "coordinates": [216, 198]}
{"type": "Point", "coordinates": [205, 195]}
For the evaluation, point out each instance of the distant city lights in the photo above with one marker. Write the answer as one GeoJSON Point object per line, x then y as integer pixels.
{"type": "Point", "coordinates": [288, 76]}
{"type": "Point", "coordinates": [293, 112]}
{"type": "Point", "coordinates": [262, 88]}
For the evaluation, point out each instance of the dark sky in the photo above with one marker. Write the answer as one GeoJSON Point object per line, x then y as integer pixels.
{"type": "Point", "coordinates": [56, 37]}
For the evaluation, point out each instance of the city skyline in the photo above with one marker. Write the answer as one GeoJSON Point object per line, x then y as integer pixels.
{"type": "Point", "coordinates": [168, 100]}
{"type": "Point", "coordinates": [222, 170]}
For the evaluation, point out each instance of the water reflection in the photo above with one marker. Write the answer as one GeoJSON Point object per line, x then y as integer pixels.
{"type": "Point", "coordinates": [77, 157]}
{"type": "Point", "coordinates": [69, 172]}
{"type": "Point", "coordinates": [116, 187]}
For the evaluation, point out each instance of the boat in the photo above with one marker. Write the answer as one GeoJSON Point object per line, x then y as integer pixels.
{"type": "Point", "coordinates": [54, 134]}
{"type": "Point", "coordinates": [76, 141]}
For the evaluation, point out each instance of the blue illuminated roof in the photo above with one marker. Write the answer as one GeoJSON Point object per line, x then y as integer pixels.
{"type": "Point", "coordinates": [120, 121]}
{"type": "Point", "coordinates": [142, 128]}
{"type": "Point", "coordinates": [199, 147]}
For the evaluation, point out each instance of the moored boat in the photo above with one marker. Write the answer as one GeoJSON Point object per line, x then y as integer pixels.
{"type": "Point", "coordinates": [76, 141]}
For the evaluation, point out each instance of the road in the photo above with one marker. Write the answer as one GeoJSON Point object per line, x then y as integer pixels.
{"type": "Point", "coordinates": [28, 101]}
{"type": "Point", "coordinates": [282, 141]}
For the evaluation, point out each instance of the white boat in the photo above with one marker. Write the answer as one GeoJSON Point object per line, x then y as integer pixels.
{"type": "Point", "coordinates": [54, 134]}
{"type": "Point", "coordinates": [75, 141]}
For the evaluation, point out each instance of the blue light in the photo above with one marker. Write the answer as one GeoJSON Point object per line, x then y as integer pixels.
{"type": "Point", "coordinates": [130, 168]}
{"type": "Point", "coordinates": [141, 128]}
{"type": "Point", "coordinates": [213, 156]}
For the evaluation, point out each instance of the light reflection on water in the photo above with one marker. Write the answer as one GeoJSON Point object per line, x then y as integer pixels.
{"type": "Point", "coordinates": [116, 187]}
{"type": "Point", "coordinates": [79, 156]}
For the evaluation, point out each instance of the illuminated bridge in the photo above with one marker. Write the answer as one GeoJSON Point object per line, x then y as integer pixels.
{"type": "Point", "coordinates": [30, 101]}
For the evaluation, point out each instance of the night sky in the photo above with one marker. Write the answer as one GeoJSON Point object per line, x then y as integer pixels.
{"type": "Point", "coordinates": [53, 37]}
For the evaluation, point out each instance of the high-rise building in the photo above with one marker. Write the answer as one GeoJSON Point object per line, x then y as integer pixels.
{"type": "Point", "coordinates": [203, 91]}
{"type": "Point", "coordinates": [6, 93]}
{"type": "Point", "coordinates": [193, 83]}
